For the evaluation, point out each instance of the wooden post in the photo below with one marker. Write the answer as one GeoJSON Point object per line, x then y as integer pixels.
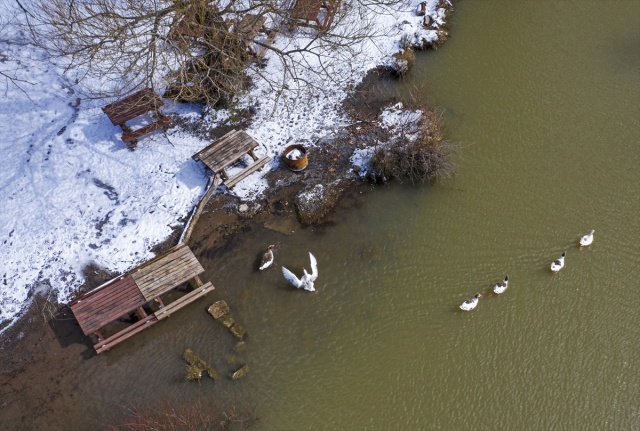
{"type": "Point", "coordinates": [253, 155]}
{"type": "Point", "coordinates": [141, 313]}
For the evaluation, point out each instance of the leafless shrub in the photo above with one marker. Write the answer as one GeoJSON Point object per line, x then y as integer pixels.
{"type": "Point", "coordinates": [183, 415]}
{"type": "Point", "coordinates": [417, 151]}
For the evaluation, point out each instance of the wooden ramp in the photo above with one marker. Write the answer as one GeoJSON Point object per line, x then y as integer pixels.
{"type": "Point", "coordinates": [228, 150]}
{"type": "Point", "coordinates": [132, 291]}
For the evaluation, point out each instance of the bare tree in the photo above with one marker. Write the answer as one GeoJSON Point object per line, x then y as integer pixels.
{"type": "Point", "coordinates": [201, 49]}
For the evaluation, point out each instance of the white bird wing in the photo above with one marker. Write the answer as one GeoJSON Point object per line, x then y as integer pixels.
{"type": "Point", "coordinates": [314, 267]}
{"type": "Point", "coordinates": [291, 277]}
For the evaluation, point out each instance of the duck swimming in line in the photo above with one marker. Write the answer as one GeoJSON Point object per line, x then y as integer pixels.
{"type": "Point", "coordinates": [501, 286]}
{"type": "Point", "coordinates": [587, 239]}
{"type": "Point", "coordinates": [267, 258]}
{"type": "Point", "coordinates": [558, 264]}
{"type": "Point", "coordinates": [470, 304]}
{"type": "Point", "coordinates": [306, 282]}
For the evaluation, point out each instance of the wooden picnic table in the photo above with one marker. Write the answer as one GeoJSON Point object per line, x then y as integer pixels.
{"type": "Point", "coordinates": [226, 151]}
{"type": "Point", "coordinates": [307, 12]}
{"type": "Point", "coordinates": [132, 291]}
{"type": "Point", "coordinates": [135, 105]}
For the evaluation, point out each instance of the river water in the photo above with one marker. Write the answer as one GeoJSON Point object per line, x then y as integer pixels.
{"type": "Point", "coordinates": [543, 98]}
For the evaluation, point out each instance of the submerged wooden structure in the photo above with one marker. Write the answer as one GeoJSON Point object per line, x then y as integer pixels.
{"type": "Point", "coordinates": [228, 150]}
{"type": "Point", "coordinates": [136, 289]}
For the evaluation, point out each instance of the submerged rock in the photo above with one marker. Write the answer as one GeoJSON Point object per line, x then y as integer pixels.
{"type": "Point", "coordinates": [227, 320]}
{"type": "Point", "coordinates": [241, 372]}
{"type": "Point", "coordinates": [218, 309]}
{"type": "Point", "coordinates": [238, 331]}
{"type": "Point", "coordinates": [197, 366]}
{"type": "Point", "coordinates": [240, 346]}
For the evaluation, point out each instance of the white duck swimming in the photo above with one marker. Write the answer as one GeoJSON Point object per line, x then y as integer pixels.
{"type": "Point", "coordinates": [470, 304]}
{"type": "Point", "coordinates": [267, 258]}
{"type": "Point", "coordinates": [306, 282]}
{"type": "Point", "coordinates": [501, 286]}
{"type": "Point", "coordinates": [558, 264]}
{"type": "Point", "coordinates": [587, 239]}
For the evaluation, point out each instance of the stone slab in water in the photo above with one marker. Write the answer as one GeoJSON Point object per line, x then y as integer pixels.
{"type": "Point", "coordinates": [218, 309]}
{"type": "Point", "coordinates": [227, 320]}
{"type": "Point", "coordinates": [196, 362]}
{"type": "Point", "coordinates": [238, 331]}
{"type": "Point", "coordinates": [241, 372]}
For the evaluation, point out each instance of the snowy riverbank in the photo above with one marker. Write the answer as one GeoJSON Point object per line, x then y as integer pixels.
{"type": "Point", "coordinates": [74, 195]}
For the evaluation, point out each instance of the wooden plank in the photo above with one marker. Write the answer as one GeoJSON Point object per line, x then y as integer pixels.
{"type": "Point", "coordinates": [126, 333]}
{"type": "Point", "coordinates": [186, 234]}
{"type": "Point", "coordinates": [159, 260]}
{"type": "Point", "coordinates": [246, 172]}
{"type": "Point", "coordinates": [183, 301]}
{"type": "Point", "coordinates": [169, 281]}
{"type": "Point", "coordinates": [178, 259]}
{"type": "Point", "coordinates": [132, 106]}
{"type": "Point", "coordinates": [107, 304]}
{"type": "Point", "coordinates": [231, 144]}
{"type": "Point", "coordinates": [213, 145]}
{"type": "Point", "coordinates": [229, 156]}
{"type": "Point", "coordinates": [132, 135]}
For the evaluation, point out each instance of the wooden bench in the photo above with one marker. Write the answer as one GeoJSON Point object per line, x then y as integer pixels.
{"type": "Point", "coordinates": [257, 165]}
{"type": "Point", "coordinates": [131, 136]}
{"type": "Point", "coordinates": [126, 333]}
{"type": "Point", "coordinates": [140, 103]}
{"type": "Point", "coordinates": [187, 299]}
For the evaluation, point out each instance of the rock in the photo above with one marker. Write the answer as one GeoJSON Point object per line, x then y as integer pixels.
{"type": "Point", "coordinates": [218, 309]}
{"type": "Point", "coordinates": [315, 202]}
{"type": "Point", "coordinates": [243, 208]}
{"type": "Point", "coordinates": [240, 346]}
{"type": "Point", "coordinates": [197, 366]}
{"type": "Point", "coordinates": [283, 225]}
{"type": "Point", "coordinates": [227, 320]}
{"type": "Point", "coordinates": [241, 372]}
{"type": "Point", "coordinates": [238, 331]}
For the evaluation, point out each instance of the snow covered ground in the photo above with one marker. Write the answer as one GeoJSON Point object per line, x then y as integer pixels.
{"type": "Point", "coordinates": [73, 194]}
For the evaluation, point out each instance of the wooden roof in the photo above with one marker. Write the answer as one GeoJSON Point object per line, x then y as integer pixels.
{"type": "Point", "coordinates": [107, 304]}
{"type": "Point", "coordinates": [166, 271]}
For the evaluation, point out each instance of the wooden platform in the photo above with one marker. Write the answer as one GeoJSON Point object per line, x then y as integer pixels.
{"type": "Point", "coordinates": [229, 149]}
{"type": "Point", "coordinates": [130, 292]}
{"type": "Point", "coordinates": [140, 103]}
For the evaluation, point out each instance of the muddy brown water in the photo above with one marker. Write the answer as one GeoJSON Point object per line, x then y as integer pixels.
{"type": "Point", "coordinates": [544, 98]}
